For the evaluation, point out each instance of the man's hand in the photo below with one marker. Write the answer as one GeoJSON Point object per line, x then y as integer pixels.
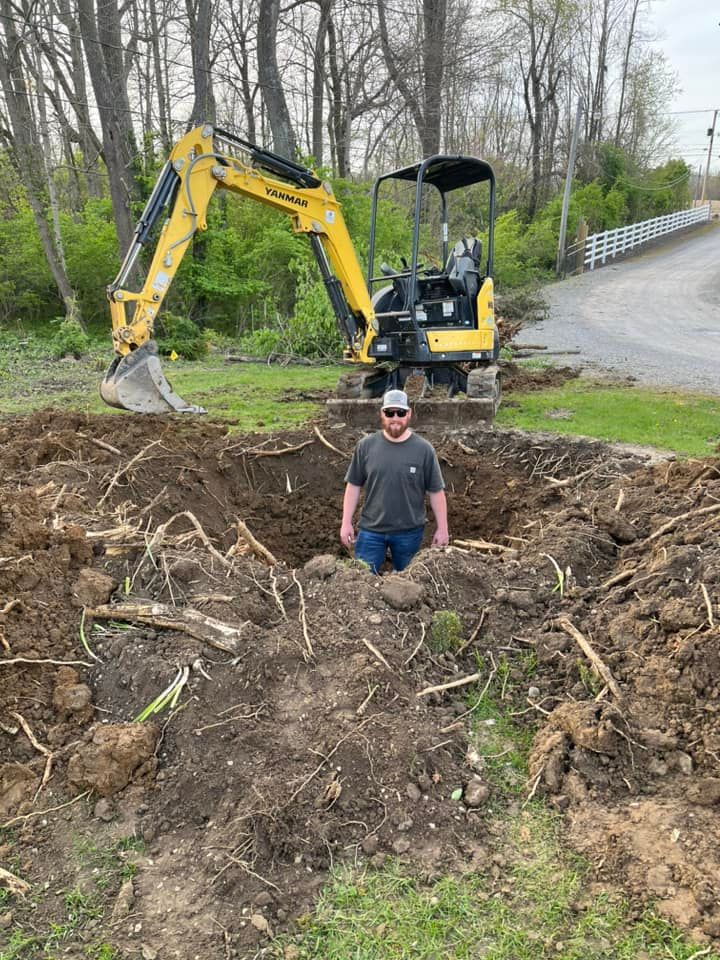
{"type": "Point", "coordinates": [347, 535]}
{"type": "Point", "coordinates": [441, 537]}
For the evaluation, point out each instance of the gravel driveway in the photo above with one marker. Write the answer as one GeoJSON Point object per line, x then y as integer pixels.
{"type": "Point", "coordinates": [655, 317]}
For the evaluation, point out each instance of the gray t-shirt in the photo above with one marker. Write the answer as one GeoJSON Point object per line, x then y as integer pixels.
{"type": "Point", "coordinates": [396, 477]}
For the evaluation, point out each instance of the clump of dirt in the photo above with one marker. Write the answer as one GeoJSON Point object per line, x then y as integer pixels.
{"type": "Point", "coordinates": [517, 378]}
{"type": "Point", "coordinates": [309, 717]}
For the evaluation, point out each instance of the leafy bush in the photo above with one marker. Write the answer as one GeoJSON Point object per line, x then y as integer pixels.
{"type": "Point", "coordinates": [261, 343]}
{"type": "Point", "coordinates": [70, 340]}
{"type": "Point", "coordinates": [181, 335]}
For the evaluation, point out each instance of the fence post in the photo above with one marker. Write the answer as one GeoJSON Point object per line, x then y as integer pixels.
{"type": "Point", "coordinates": [582, 233]}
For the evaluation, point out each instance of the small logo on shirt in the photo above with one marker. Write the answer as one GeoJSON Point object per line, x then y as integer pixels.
{"type": "Point", "coordinates": [413, 469]}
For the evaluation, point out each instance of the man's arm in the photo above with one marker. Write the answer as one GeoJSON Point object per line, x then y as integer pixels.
{"type": "Point", "coordinates": [350, 502]}
{"type": "Point", "coordinates": [438, 504]}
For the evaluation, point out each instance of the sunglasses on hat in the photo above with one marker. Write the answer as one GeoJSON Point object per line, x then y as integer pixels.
{"type": "Point", "coordinates": [396, 413]}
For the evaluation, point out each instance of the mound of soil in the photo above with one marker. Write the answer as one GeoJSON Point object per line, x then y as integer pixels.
{"type": "Point", "coordinates": [306, 730]}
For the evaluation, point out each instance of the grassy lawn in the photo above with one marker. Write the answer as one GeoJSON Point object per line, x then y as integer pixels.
{"type": "Point", "coordinates": [686, 423]}
{"type": "Point", "coordinates": [248, 396]}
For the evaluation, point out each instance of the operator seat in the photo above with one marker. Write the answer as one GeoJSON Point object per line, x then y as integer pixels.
{"type": "Point", "coordinates": [463, 268]}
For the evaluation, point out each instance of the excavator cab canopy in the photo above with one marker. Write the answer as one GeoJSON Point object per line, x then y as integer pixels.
{"type": "Point", "coordinates": [446, 173]}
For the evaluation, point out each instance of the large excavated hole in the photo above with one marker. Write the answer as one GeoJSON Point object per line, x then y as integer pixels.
{"type": "Point", "coordinates": [287, 488]}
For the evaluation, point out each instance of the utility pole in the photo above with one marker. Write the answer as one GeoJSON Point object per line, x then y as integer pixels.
{"type": "Point", "coordinates": [698, 181]}
{"type": "Point", "coordinates": [711, 134]}
{"type": "Point", "coordinates": [568, 185]}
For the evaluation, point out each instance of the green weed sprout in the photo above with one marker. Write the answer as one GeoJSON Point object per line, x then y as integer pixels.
{"type": "Point", "coordinates": [169, 696]}
{"type": "Point", "coordinates": [83, 640]}
{"type": "Point", "coordinates": [560, 584]}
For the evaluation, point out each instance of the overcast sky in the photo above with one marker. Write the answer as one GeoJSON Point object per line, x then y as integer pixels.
{"type": "Point", "coordinates": [689, 35]}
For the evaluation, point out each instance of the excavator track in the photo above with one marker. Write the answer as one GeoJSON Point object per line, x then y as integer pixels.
{"type": "Point", "coordinates": [481, 403]}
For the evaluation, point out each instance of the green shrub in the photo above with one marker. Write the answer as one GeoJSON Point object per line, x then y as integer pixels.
{"type": "Point", "coordinates": [182, 335]}
{"type": "Point", "coordinates": [70, 340]}
{"type": "Point", "coordinates": [445, 630]}
{"type": "Point", "coordinates": [261, 343]}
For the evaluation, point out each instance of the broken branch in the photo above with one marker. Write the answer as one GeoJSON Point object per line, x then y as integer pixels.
{"type": "Point", "coordinates": [259, 549]}
{"type": "Point", "coordinates": [187, 620]}
{"type": "Point", "coordinates": [326, 443]}
{"type": "Point", "coordinates": [461, 682]}
{"type": "Point", "coordinates": [671, 524]}
{"type": "Point", "coordinates": [124, 469]}
{"type": "Point", "coordinates": [485, 545]}
{"type": "Point", "coordinates": [602, 669]}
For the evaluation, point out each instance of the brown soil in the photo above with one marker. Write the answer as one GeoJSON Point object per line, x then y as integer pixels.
{"type": "Point", "coordinates": [307, 744]}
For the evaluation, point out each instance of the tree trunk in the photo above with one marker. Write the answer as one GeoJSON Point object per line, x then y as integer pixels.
{"type": "Point", "coordinates": [278, 115]}
{"type": "Point", "coordinates": [318, 86]}
{"type": "Point", "coordinates": [163, 118]}
{"type": "Point", "coordinates": [30, 160]}
{"type": "Point", "coordinates": [102, 42]}
{"type": "Point", "coordinates": [626, 65]}
{"type": "Point", "coordinates": [200, 18]}
{"type": "Point", "coordinates": [434, 26]}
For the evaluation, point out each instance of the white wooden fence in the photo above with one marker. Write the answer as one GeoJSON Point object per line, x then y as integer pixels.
{"type": "Point", "coordinates": [598, 248]}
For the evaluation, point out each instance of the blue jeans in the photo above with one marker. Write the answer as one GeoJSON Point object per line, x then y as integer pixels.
{"type": "Point", "coordinates": [371, 547]}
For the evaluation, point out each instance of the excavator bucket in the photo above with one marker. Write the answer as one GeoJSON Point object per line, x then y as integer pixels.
{"type": "Point", "coordinates": [136, 382]}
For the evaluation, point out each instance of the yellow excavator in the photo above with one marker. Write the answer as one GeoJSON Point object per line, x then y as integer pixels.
{"type": "Point", "coordinates": [436, 321]}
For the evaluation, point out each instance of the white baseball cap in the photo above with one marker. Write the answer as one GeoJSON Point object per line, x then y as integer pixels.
{"type": "Point", "coordinates": [395, 399]}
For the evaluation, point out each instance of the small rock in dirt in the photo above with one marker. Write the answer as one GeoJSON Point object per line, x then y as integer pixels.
{"type": "Point", "coordinates": [5, 920]}
{"type": "Point", "coordinates": [261, 924]}
{"type": "Point", "coordinates": [124, 902]}
{"type": "Point", "coordinates": [401, 594]}
{"type": "Point", "coordinates": [322, 567]}
{"type": "Point", "coordinates": [147, 952]}
{"type": "Point", "coordinates": [614, 523]}
{"type": "Point", "coordinates": [375, 619]}
{"type": "Point", "coordinates": [520, 599]}
{"type": "Point", "coordinates": [705, 792]}
{"type": "Point", "coordinates": [405, 825]}
{"type": "Point", "coordinates": [370, 845]}
{"type": "Point", "coordinates": [92, 587]}
{"type": "Point", "coordinates": [262, 899]}
{"type": "Point", "coordinates": [657, 740]}
{"type": "Point", "coordinates": [104, 810]}
{"type": "Point", "coordinates": [711, 926]}
{"type": "Point", "coordinates": [401, 845]}
{"type": "Point", "coordinates": [680, 761]}
{"type": "Point", "coordinates": [185, 570]}
{"type": "Point", "coordinates": [534, 693]}
{"type": "Point", "coordinates": [413, 792]}
{"type": "Point", "coordinates": [476, 792]}
{"type": "Point", "coordinates": [72, 699]}
{"type": "Point", "coordinates": [678, 615]}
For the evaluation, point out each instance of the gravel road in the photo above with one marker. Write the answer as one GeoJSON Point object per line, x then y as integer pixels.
{"type": "Point", "coordinates": [655, 317]}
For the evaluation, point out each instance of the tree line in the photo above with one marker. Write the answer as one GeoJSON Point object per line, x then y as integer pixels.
{"type": "Point", "coordinates": [94, 92]}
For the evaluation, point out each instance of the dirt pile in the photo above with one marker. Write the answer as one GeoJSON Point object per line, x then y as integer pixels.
{"type": "Point", "coordinates": [302, 723]}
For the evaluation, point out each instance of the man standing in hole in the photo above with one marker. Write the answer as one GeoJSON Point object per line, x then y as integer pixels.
{"type": "Point", "coordinates": [397, 468]}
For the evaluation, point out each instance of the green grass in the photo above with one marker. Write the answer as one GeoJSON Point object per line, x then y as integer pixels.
{"type": "Point", "coordinates": [686, 423]}
{"type": "Point", "coordinates": [79, 907]}
{"type": "Point", "coordinates": [248, 396]}
{"type": "Point", "coordinates": [534, 910]}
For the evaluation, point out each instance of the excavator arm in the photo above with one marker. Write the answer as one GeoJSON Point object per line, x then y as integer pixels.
{"type": "Point", "coordinates": [204, 160]}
